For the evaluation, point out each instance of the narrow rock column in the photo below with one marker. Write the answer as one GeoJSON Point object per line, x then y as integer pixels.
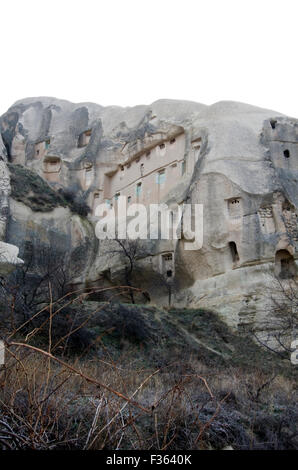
{"type": "Point", "coordinates": [4, 197]}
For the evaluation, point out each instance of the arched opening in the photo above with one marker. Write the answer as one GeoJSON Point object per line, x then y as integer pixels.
{"type": "Point", "coordinates": [285, 267]}
{"type": "Point", "coordinates": [235, 207]}
{"type": "Point", "coordinates": [88, 176]}
{"type": "Point", "coordinates": [234, 252]}
{"type": "Point", "coordinates": [84, 138]}
{"type": "Point", "coordinates": [52, 168]}
{"type": "Point", "coordinates": [273, 123]}
{"type": "Point", "coordinates": [96, 201]}
{"type": "Point", "coordinates": [287, 153]}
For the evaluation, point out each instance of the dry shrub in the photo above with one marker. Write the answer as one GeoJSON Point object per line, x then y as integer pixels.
{"type": "Point", "coordinates": [99, 404]}
{"type": "Point", "coordinates": [48, 404]}
{"type": "Point", "coordinates": [128, 322]}
{"type": "Point", "coordinates": [51, 401]}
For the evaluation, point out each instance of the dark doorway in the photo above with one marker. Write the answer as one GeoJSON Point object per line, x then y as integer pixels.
{"type": "Point", "coordinates": [234, 252]}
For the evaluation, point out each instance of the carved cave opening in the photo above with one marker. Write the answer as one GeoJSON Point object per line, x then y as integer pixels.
{"type": "Point", "coordinates": [234, 252]}
{"type": "Point", "coordinates": [287, 153]}
{"type": "Point", "coordinates": [273, 123]}
{"type": "Point", "coordinates": [285, 267]}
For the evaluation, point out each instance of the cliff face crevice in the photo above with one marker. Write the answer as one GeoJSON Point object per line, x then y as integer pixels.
{"type": "Point", "coordinates": [239, 161]}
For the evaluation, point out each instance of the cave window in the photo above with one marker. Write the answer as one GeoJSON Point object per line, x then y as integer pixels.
{"type": "Point", "coordinates": [167, 265]}
{"type": "Point", "coordinates": [161, 177]}
{"type": "Point", "coordinates": [196, 149]}
{"type": "Point", "coordinates": [162, 146]}
{"type": "Point", "coordinates": [285, 265]}
{"type": "Point", "coordinates": [88, 176]}
{"type": "Point", "coordinates": [172, 141]}
{"type": "Point", "coordinates": [286, 153]}
{"type": "Point", "coordinates": [284, 268]}
{"type": "Point", "coordinates": [52, 164]}
{"type": "Point", "coordinates": [81, 141]}
{"type": "Point", "coordinates": [273, 123]}
{"type": "Point", "coordinates": [234, 207]}
{"type": "Point", "coordinates": [139, 189]}
{"type": "Point", "coordinates": [95, 201]}
{"type": "Point", "coordinates": [142, 168]}
{"type": "Point", "coordinates": [117, 196]}
{"type": "Point", "coordinates": [84, 138]}
{"type": "Point", "coordinates": [122, 168]}
{"type": "Point", "coordinates": [234, 252]}
{"type": "Point", "coordinates": [129, 199]}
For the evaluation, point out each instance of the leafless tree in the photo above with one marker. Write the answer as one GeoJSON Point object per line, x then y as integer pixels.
{"type": "Point", "coordinates": [281, 322]}
{"type": "Point", "coordinates": [131, 251]}
{"type": "Point", "coordinates": [27, 288]}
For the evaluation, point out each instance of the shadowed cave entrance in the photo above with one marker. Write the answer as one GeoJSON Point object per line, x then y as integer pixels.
{"type": "Point", "coordinates": [234, 253]}
{"type": "Point", "coordinates": [285, 267]}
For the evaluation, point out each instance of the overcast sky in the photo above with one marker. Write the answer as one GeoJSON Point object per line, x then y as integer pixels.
{"type": "Point", "coordinates": [129, 52]}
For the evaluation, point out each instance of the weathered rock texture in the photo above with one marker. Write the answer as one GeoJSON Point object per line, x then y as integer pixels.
{"type": "Point", "coordinates": [8, 253]}
{"type": "Point", "coordinates": [239, 161]}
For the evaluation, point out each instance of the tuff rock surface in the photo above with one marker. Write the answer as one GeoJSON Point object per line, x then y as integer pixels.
{"type": "Point", "coordinates": [239, 161]}
{"type": "Point", "coordinates": [8, 253]}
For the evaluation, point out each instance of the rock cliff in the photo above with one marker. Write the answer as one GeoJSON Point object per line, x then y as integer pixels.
{"type": "Point", "coordinates": [239, 161]}
{"type": "Point", "coordinates": [8, 253]}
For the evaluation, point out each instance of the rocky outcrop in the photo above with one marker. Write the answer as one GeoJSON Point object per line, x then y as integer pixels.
{"type": "Point", "coordinates": [9, 259]}
{"type": "Point", "coordinates": [8, 253]}
{"type": "Point", "coordinates": [238, 160]}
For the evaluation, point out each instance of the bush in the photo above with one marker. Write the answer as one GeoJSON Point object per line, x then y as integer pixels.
{"type": "Point", "coordinates": [76, 202]}
{"type": "Point", "coordinates": [185, 405]}
{"type": "Point", "coordinates": [66, 329]}
{"type": "Point", "coordinates": [28, 187]}
{"type": "Point", "coordinates": [129, 322]}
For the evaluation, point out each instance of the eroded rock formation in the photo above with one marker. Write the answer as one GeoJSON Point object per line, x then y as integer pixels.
{"type": "Point", "coordinates": [239, 161]}
{"type": "Point", "coordinates": [8, 253]}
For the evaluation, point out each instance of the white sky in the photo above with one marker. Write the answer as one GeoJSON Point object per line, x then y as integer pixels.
{"type": "Point", "coordinates": [129, 52]}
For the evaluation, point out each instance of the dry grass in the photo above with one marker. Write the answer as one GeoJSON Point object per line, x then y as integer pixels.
{"type": "Point", "coordinates": [51, 400]}
{"type": "Point", "coordinates": [49, 405]}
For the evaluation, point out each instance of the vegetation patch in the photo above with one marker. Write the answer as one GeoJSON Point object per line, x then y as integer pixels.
{"type": "Point", "coordinates": [30, 189]}
{"type": "Point", "coordinates": [170, 380]}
